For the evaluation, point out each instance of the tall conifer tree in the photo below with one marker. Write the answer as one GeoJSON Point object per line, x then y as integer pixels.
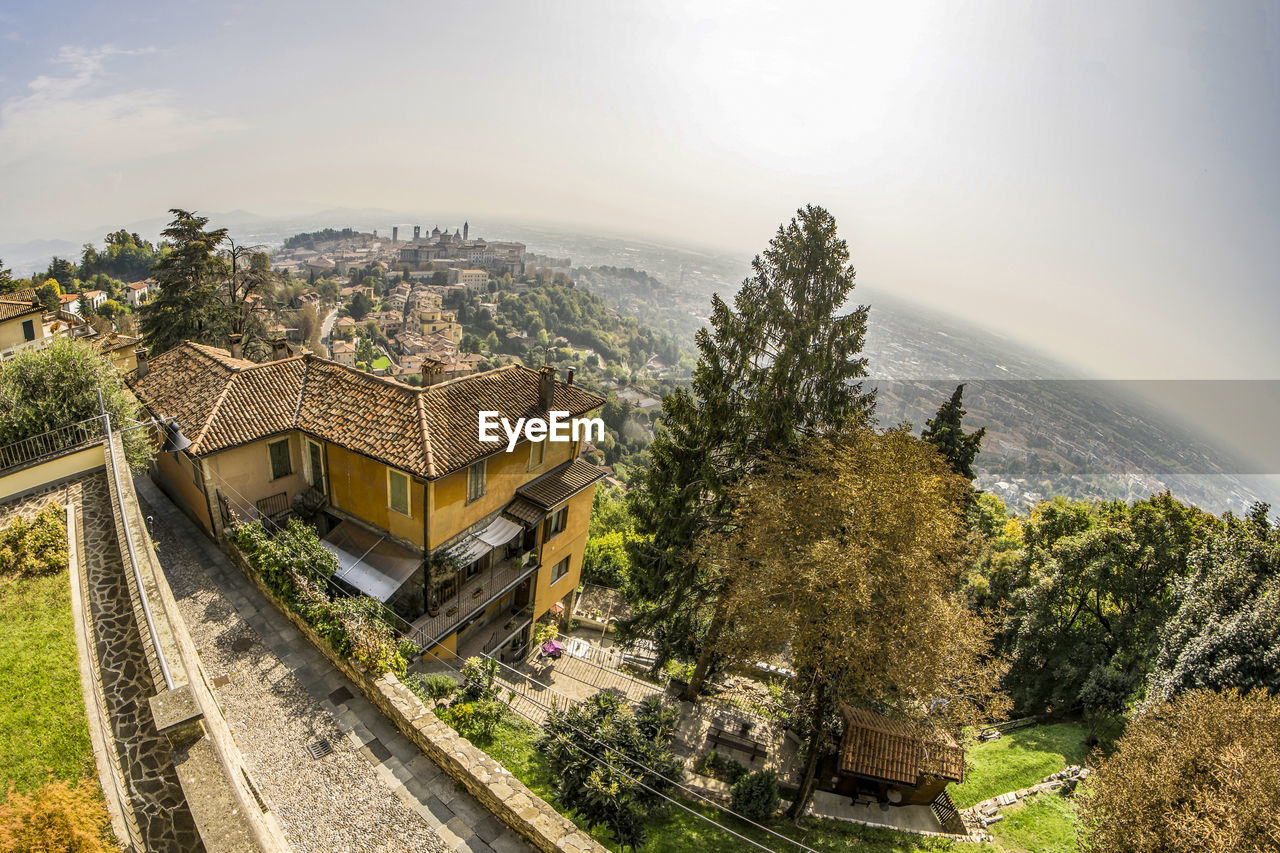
{"type": "Point", "coordinates": [781, 364]}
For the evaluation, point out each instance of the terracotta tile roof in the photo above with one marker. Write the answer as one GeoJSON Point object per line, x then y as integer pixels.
{"type": "Point", "coordinates": [113, 342]}
{"type": "Point", "coordinates": [561, 483]}
{"type": "Point", "coordinates": [526, 511]}
{"type": "Point", "coordinates": [890, 750]}
{"type": "Point", "coordinates": [221, 402]}
{"type": "Point", "coordinates": [19, 304]}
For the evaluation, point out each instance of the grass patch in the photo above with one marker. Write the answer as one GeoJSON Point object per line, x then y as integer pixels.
{"type": "Point", "coordinates": [381, 363]}
{"type": "Point", "coordinates": [43, 728]}
{"type": "Point", "coordinates": [1045, 824]}
{"type": "Point", "coordinates": [1018, 760]}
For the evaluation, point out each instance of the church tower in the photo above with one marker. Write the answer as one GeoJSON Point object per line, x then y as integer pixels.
{"type": "Point", "coordinates": [466, 231]}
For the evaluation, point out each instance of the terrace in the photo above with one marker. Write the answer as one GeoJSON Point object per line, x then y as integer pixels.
{"type": "Point", "coordinates": [465, 598]}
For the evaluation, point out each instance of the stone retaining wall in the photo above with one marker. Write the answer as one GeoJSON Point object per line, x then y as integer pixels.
{"type": "Point", "coordinates": [505, 796]}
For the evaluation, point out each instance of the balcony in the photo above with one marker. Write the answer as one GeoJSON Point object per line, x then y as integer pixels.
{"type": "Point", "coordinates": [476, 594]}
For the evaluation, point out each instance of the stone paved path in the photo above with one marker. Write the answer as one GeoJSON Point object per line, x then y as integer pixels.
{"type": "Point", "coordinates": [376, 791]}
{"type": "Point", "coordinates": [157, 799]}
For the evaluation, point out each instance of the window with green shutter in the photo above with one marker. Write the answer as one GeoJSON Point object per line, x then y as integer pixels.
{"type": "Point", "coordinates": [281, 466]}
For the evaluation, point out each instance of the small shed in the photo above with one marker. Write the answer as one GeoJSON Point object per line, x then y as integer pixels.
{"type": "Point", "coordinates": [893, 760]}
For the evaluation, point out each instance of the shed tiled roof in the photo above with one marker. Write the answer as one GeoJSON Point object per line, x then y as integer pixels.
{"type": "Point", "coordinates": [560, 483]}
{"type": "Point", "coordinates": [19, 304]}
{"type": "Point", "coordinates": [221, 402]}
{"type": "Point", "coordinates": [890, 750]}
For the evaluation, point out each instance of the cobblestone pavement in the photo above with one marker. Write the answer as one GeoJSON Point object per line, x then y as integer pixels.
{"type": "Point", "coordinates": [158, 803]}
{"type": "Point", "coordinates": [375, 791]}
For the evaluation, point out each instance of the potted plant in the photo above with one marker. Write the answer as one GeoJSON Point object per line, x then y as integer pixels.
{"type": "Point", "coordinates": [479, 591]}
{"type": "Point", "coordinates": [452, 610]}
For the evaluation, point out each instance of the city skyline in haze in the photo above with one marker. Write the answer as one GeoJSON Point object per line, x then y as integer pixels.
{"type": "Point", "coordinates": [1100, 180]}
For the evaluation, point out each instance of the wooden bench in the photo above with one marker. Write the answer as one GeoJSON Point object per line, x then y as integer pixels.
{"type": "Point", "coordinates": [719, 737]}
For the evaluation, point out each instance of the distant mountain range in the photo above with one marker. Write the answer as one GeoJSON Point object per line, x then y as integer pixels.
{"type": "Point", "coordinates": [1049, 430]}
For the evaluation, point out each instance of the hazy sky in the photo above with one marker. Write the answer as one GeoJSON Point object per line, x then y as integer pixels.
{"type": "Point", "coordinates": [1102, 179]}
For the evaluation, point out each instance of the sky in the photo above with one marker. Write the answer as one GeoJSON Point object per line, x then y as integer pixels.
{"type": "Point", "coordinates": [1099, 179]}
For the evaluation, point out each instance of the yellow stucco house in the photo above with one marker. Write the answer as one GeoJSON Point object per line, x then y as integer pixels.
{"type": "Point", "coordinates": [21, 319]}
{"type": "Point", "coordinates": [467, 542]}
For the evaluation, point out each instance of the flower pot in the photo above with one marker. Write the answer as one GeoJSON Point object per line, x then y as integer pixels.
{"type": "Point", "coordinates": [478, 593]}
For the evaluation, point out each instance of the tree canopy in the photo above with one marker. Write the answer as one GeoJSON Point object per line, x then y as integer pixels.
{"type": "Point", "coordinates": [778, 365]}
{"type": "Point", "coordinates": [848, 552]}
{"type": "Point", "coordinates": [1195, 775]}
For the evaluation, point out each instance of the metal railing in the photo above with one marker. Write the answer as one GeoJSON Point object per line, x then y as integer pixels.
{"type": "Point", "coordinates": [52, 444]}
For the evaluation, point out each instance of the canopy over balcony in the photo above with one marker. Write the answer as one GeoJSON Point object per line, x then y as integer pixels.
{"type": "Point", "coordinates": [373, 564]}
{"type": "Point", "coordinates": [498, 532]}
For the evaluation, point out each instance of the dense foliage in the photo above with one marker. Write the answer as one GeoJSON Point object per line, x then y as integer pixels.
{"type": "Point", "coordinates": [309, 239]}
{"type": "Point", "coordinates": [31, 547]}
{"type": "Point", "coordinates": [611, 540]}
{"type": "Point", "coordinates": [57, 386]}
{"type": "Point", "coordinates": [1195, 775]}
{"type": "Point", "coordinates": [1085, 597]}
{"type": "Point", "coordinates": [588, 746]}
{"type": "Point", "coordinates": [1225, 632]}
{"type": "Point", "coordinates": [294, 566]}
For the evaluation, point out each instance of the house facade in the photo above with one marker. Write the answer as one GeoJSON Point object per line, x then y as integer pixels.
{"type": "Point", "coordinates": [21, 318]}
{"type": "Point", "coordinates": [466, 542]}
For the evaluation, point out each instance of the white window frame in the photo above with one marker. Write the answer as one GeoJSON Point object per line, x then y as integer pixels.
{"type": "Point", "coordinates": [408, 493]}
{"type": "Point", "coordinates": [308, 463]}
{"type": "Point", "coordinates": [538, 450]}
{"type": "Point", "coordinates": [484, 479]}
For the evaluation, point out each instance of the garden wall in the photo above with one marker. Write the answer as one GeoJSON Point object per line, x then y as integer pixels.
{"type": "Point", "coordinates": [505, 796]}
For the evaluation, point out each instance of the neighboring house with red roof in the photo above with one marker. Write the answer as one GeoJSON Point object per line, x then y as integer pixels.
{"type": "Point", "coordinates": [389, 475]}
{"type": "Point", "coordinates": [21, 318]}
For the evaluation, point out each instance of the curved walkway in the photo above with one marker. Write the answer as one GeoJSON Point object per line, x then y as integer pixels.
{"type": "Point", "coordinates": [375, 791]}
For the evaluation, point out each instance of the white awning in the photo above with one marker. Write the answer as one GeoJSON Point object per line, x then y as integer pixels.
{"type": "Point", "coordinates": [496, 533]}
{"type": "Point", "coordinates": [372, 564]}
{"type": "Point", "coordinates": [500, 531]}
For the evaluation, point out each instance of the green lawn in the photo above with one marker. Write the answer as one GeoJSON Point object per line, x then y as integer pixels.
{"type": "Point", "coordinates": [1045, 824]}
{"type": "Point", "coordinates": [1018, 760]}
{"type": "Point", "coordinates": [381, 363]}
{"type": "Point", "coordinates": [43, 727]}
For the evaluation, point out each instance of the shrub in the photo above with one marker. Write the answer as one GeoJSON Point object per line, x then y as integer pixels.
{"type": "Point", "coordinates": [478, 678]}
{"type": "Point", "coordinates": [488, 712]}
{"type": "Point", "coordinates": [59, 816]}
{"type": "Point", "coordinates": [720, 767]}
{"type": "Point", "coordinates": [432, 688]}
{"type": "Point", "coordinates": [602, 795]}
{"type": "Point", "coordinates": [36, 546]}
{"type": "Point", "coordinates": [461, 715]}
{"type": "Point", "coordinates": [755, 796]}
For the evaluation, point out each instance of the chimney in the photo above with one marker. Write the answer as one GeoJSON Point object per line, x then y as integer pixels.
{"type": "Point", "coordinates": [237, 346]}
{"type": "Point", "coordinates": [143, 367]}
{"type": "Point", "coordinates": [572, 370]}
{"type": "Point", "coordinates": [279, 349]}
{"type": "Point", "coordinates": [546, 386]}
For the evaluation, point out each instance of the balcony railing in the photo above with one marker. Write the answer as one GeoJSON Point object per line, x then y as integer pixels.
{"type": "Point", "coordinates": [51, 444]}
{"type": "Point", "coordinates": [475, 594]}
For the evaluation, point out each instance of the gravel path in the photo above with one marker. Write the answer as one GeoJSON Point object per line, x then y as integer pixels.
{"type": "Point", "coordinates": [375, 791]}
